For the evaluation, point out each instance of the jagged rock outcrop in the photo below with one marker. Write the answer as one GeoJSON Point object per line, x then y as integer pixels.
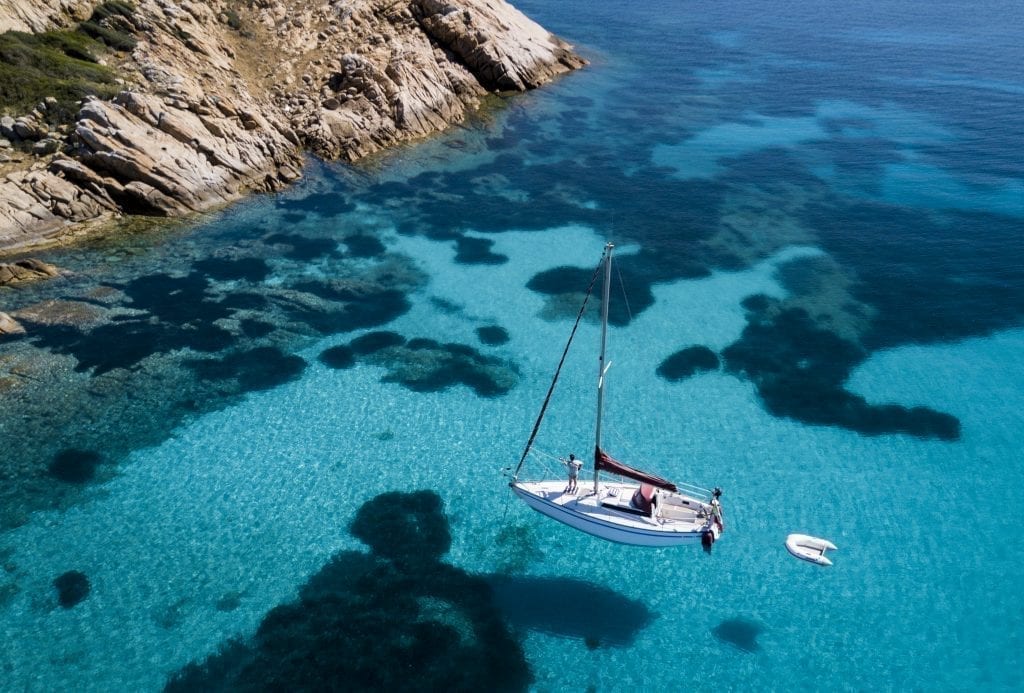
{"type": "Point", "coordinates": [152, 158]}
{"type": "Point", "coordinates": [427, 68]}
{"type": "Point", "coordinates": [19, 15]}
{"type": "Point", "coordinates": [221, 98]}
{"type": "Point", "coordinates": [27, 270]}
{"type": "Point", "coordinates": [37, 205]}
{"type": "Point", "coordinates": [505, 50]}
{"type": "Point", "coordinates": [9, 325]}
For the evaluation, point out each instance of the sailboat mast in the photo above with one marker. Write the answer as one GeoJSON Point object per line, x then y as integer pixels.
{"type": "Point", "coordinates": [600, 363]}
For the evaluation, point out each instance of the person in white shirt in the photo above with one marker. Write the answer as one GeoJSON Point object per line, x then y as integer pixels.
{"type": "Point", "coordinates": [573, 466]}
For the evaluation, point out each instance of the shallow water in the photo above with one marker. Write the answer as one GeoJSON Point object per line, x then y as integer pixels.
{"type": "Point", "coordinates": [828, 199]}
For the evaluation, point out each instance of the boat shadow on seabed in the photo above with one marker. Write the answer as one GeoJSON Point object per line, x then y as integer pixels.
{"type": "Point", "coordinates": [398, 618]}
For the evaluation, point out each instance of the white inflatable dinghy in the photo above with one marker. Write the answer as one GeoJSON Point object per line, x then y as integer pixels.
{"type": "Point", "coordinates": [810, 549]}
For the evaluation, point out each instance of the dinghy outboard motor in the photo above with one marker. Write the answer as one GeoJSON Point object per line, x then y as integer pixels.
{"type": "Point", "coordinates": [707, 540]}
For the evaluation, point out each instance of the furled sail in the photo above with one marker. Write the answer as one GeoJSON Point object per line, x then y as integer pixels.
{"type": "Point", "coordinates": [603, 462]}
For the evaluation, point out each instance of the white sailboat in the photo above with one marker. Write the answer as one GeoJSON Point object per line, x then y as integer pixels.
{"type": "Point", "coordinates": [642, 510]}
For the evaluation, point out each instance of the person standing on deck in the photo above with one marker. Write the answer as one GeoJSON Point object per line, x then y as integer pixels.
{"type": "Point", "coordinates": [574, 466]}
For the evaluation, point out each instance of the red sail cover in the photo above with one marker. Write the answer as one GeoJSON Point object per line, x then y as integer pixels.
{"type": "Point", "coordinates": [605, 463]}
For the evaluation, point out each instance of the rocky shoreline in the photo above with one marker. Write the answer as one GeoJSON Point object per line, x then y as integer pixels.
{"type": "Point", "coordinates": [223, 98]}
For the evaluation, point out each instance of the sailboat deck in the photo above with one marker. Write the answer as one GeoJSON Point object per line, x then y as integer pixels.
{"type": "Point", "coordinates": [677, 514]}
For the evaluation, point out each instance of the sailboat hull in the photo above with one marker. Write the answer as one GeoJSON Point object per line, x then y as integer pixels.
{"type": "Point", "coordinates": [591, 514]}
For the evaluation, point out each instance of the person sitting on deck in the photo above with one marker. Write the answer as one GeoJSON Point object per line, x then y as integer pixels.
{"type": "Point", "coordinates": [573, 466]}
{"type": "Point", "coordinates": [644, 499]}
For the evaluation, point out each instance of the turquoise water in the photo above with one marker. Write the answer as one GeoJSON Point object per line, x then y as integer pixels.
{"type": "Point", "coordinates": [826, 198]}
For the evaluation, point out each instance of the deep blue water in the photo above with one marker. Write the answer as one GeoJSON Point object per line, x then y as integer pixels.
{"type": "Point", "coordinates": [276, 436]}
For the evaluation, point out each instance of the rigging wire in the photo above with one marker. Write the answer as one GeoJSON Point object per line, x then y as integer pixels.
{"type": "Point", "coordinates": [629, 312]}
{"type": "Point", "coordinates": [561, 362]}
{"type": "Point", "coordinates": [504, 511]}
{"type": "Point", "coordinates": [550, 460]}
{"type": "Point", "coordinates": [549, 455]}
{"type": "Point", "coordinates": [622, 444]}
{"type": "Point", "coordinates": [621, 440]}
{"type": "Point", "coordinates": [625, 298]}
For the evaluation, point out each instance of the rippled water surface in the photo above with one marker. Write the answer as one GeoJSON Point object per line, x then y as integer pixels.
{"type": "Point", "coordinates": [266, 449]}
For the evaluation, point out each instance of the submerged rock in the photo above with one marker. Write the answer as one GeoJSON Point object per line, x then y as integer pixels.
{"type": "Point", "coordinates": [9, 325]}
{"type": "Point", "coordinates": [27, 270]}
{"type": "Point", "coordinates": [80, 314]}
{"type": "Point", "coordinates": [398, 617]}
{"type": "Point", "coordinates": [75, 466]}
{"type": "Point", "coordinates": [492, 335]}
{"type": "Point", "coordinates": [740, 633]}
{"type": "Point", "coordinates": [72, 587]}
{"type": "Point", "coordinates": [688, 362]}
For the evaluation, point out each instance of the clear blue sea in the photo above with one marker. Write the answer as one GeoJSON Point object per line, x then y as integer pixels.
{"type": "Point", "coordinates": [269, 450]}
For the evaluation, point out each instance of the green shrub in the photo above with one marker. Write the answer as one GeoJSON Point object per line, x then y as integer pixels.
{"type": "Point", "coordinates": [234, 21]}
{"type": "Point", "coordinates": [117, 11]}
{"type": "Point", "coordinates": [117, 40]}
{"type": "Point", "coordinates": [60, 64]}
{"type": "Point", "coordinates": [63, 64]}
{"type": "Point", "coordinates": [71, 44]}
{"type": "Point", "coordinates": [113, 8]}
